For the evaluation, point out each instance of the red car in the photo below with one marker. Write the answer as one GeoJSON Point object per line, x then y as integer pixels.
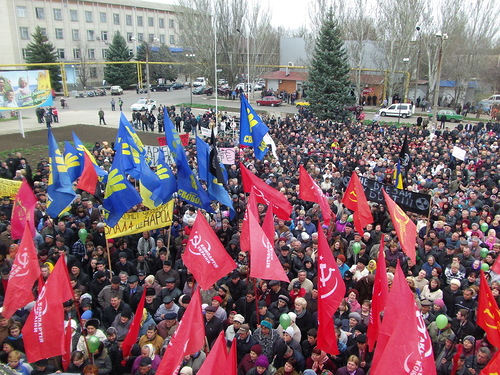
{"type": "Point", "coordinates": [269, 100]}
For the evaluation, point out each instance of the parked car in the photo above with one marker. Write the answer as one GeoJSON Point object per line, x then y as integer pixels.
{"type": "Point", "coordinates": [177, 86]}
{"type": "Point", "coordinates": [143, 105]}
{"type": "Point", "coordinates": [449, 115]}
{"type": "Point", "coordinates": [259, 86]}
{"type": "Point", "coordinates": [302, 103]}
{"type": "Point", "coordinates": [162, 87]}
{"type": "Point", "coordinates": [398, 110]}
{"type": "Point", "coordinates": [199, 90]}
{"type": "Point", "coordinates": [269, 101]}
{"type": "Point", "coordinates": [116, 90]}
{"type": "Point", "coordinates": [200, 81]}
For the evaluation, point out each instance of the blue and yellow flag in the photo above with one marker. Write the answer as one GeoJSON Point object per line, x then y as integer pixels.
{"type": "Point", "coordinates": [60, 189]}
{"type": "Point", "coordinates": [252, 129]}
{"type": "Point", "coordinates": [82, 149]}
{"type": "Point", "coordinates": [398, 177]}
{"type": "Point", "coordinates": [120, 195]}
{"type": "Point", "coordinates": [73, 160]}
{"type": "Point", "coordinates": [189, 188]}
{"type": "Point", "coordinates": [216, 183]}
{"type": "Point", "coordinates": [150, 186]}
{"type": "Point", "coordinates": [164, 173]}
{"type": "Point", "coordinates": [131, 146]}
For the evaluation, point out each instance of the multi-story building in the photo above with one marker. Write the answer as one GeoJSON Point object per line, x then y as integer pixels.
{"type": "Point", "coordinates": [77, 27]}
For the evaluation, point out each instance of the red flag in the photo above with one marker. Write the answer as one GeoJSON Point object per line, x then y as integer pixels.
{"type": "Point", "coordinates": [266, 194]}
{"type": "Point", "coordinates": [23, 211]}
{"type": "Point", "coordinates": [496, 266]}
{"type": "Point", "coordinates": [493, 366]}
{"type": "Point", "coordinates": [310, 191]}
{"type": "Point", "coordinates": [245, 228]}
{"type": "Point", "coordinates": [355, 200]}
{"type": "Point", "coordinates": [268, 224]}
{"type": "Point", "coordinates": [215, 359]}
{"type": "Point", "coordinates": [380, 295]}
{"type": "Point", "coordinates": [205, 256]}
{"type": "Point", "coordinates": [187, 339]}
{"type": "Point", "coordinates": [405, 228]}
{"type": "Point", "coordinates": [133, 331]}
{"type": "Point", "coordinates": [488, 314]}
{"type": "Point", "coordinates": [88, 179]}
{"type": "Point", "coordinates": [24, 273]}
{"type": "Point", "coordinates": [232, 359]}
{"type": "Point", "coordinates": [66, 358]}
{"type": "Point", "coordinates": [44, 329]}
{"type": "Point", "coordinates": [331, 290]}
{"type": "Point", "coordinates": [264, 264]}
{"type": "Point", "coordinates": [455, 359]}
{"type": "Point", "coordinates": [404, 345]}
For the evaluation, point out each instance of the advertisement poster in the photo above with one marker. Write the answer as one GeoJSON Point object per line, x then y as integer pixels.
{"type": "Point", "coordinates": [24, 89]}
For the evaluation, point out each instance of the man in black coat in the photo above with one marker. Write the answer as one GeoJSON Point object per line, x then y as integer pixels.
{"type": "Point", "coordinates": [213, 325]}
{"type": "Point", "coordinates": [133, 292]}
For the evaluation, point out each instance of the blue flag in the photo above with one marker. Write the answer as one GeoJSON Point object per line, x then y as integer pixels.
{"type": "Point", "coordinates": [150, 185]}
{"type": "Point", "coordinates": [216, 189]}
{"type": "Point", "coordinates": [120, 195]}
{"type": "Point", "coordinates": [73, 160]}
{"type": "Point", "coordinates": [60, 189]}
{"type": "Point", "coordinates": [164, 173]}
{"type": "Point", "coordinates": [131, 146]}
{"type": "Point", "coordinates": [252, 129]}
{"type": "Point", "coordinates": [189, 188]}
{"type": "Point", "coordinates": [81, 148]}
{"type": "Point", "coordinates": [203, 155]}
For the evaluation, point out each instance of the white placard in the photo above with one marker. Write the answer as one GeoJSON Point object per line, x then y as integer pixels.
{"type": "Point", "coordinates": [152, 153]}
{"type": "Point", "coordinates": [459, 153]}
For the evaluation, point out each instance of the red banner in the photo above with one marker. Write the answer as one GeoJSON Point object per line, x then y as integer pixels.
{"type": "Point", "coordinates": [355, 200]}
{"type": "Point", "coordinates": [23, 211]}
{"type": "Point", "coordinates": [311, 192]}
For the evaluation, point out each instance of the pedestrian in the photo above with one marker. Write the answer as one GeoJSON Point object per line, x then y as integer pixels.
{"type": "Point", "coordinates": [55, 114]}
{"type": "Point", "coordinates": [101, 117]}
{"type": "Point", "coordinates": [120, 104]}
{"type": "Point", "coordinates": [113, 104]}
{"type": "Point", "coordinates": [48, 118]}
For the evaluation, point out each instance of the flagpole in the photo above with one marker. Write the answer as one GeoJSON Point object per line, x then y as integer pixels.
{"type": "Point", "coordinates": [109, 255]}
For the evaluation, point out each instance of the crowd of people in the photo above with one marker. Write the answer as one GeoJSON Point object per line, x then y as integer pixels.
{"type": "Point", "coordinates": [463, 219]}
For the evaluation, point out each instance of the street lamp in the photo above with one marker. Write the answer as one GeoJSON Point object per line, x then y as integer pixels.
{"type": "Point", "coordinates": [190, 56]}
{"type": "Point", "coordinates": [437, 86]}
{"type": "Point", "coordinates": [406, 60]}
{"type": "Point", "coordinates": [248, 59]}
{"type": "Point", "coordinates": [418, 67]}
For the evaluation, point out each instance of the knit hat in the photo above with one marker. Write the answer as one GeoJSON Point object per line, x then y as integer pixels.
{"type": "Point", "coordinates": [266, 324]}
{"type": "Point", "coordinates": [239, 318]}
{"type": "Point", "coordinates": [355, 315]}
{"type": "Point", "coordinates": [186, 370]}
{"type": "Point", "coordinates": [257, 349]}
{"type": "Point", "coordinates": [87, 315]}
{"type": "Point", "coordinates": [439, 302]}
{"type": "Point", "coordinates": [289, 330]}
{"type": "Point", "coordinates": [470, 338]}
{"type": "Point", "coordinates": [262, 361]}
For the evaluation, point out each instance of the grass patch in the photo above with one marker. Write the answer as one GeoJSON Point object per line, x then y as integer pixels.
{"type": "Point", "coordinates": [5, 119]}
{"type": "Point", "coordinates": [36, 152]}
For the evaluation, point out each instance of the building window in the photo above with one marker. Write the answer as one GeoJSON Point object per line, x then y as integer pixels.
{"type": "Point", "coordinates": [24, 51]}
{"type": "Point", "coordinates": [21, 11]}
{"type": "Point", "coordinates": [57, 14]}
{"type": "Point", "coordinates": [90, 35]}
{"type": "Point", "coordinates": [59, 34]}
{"type": "Point", "coordinates": [139, 21]}
{"type": "Point", "coordinates": [116, 18]}
{"type": "Point", "coordinates": [104, 36]}
{"type": "Point", "coordinates": [89, 17]}
{"type": "Point", "coordinates": [75, 34]}
{"type": "Point", "coordinates": [103, 17]}
{"type": "Point", "coordinates": [172, 39]}
{"type": "Point", "coordinates": [162, 39]}
{"type": "Point", "coordinates": [60, 53]}
{"type": "Point", "coordinates": [151, 38]}
{"type": "Point", "coordinates": [77, 54]}
{"type": "Point", "coordinates": [140, 37]}
{"type": "Point", "coordinates": [161, 23]}
{"type": "Point", "coordinates": [171, 24]}
{"type": "Point", "coordinates": [129, 37]}
{"type": "Point", "coordinates": [93, 72]}
{"type": "Point", "coordinates": [43, 31]}
{"type": "Point", "coordinates": [73, 15]}
{"type": "Point", "coordinates": [128, 20]}
{"type": "Point", "coordinates": [104, 54]}
{"type": "Point", "coordinates": [91, 53]}
{"type": "Point", "coordinates": [24, 33]}
{"type": "Point", "coordinates": [151, 21]}
{"type": "Point", "coordinates": [40, 13]}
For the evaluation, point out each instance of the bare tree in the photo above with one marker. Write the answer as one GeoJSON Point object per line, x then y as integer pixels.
{"type": "Point", "coordinates": [83, 66]}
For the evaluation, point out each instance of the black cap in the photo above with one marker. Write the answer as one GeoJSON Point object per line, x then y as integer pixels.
{"type": "Point", "coordinates": [170, 280]}
{"type": "Point", "coordinates": [141, 273]}
{"type": "Point", "coordinates": [167, 263]}
{"type": "Point", "coordinates": [115, 280]}
{"type": "Point", "coordinates": [170, 315]}
{"type": "Point", "coordinates": [127, 313]}
{"type": "Point", "coordinates": [100, 274]}
{"type": "Point", "coordinates": [262, 304]}
{"type": "Point", "coordinates": [359, 338]}
{"type": "Point", "coordinates": [167, 299]}
{"type": "Point", "coordinates": [122, 254]}
{"type": "Point", "coordinates": [132, 279]}
{"type": "Point", "coordinates": [145, 361]}
{"type": "Point", "coordinates": [150, 292]}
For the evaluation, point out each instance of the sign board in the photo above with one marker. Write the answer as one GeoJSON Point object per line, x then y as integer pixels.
{"type": "Point", "coordinates": [25, 89]}
{"type": "Point", "coordinates": [152, 153]}
{"type": "Point", "coordinates": [227, 155]}
{"type": "Point", "coordinates": [459, 153]}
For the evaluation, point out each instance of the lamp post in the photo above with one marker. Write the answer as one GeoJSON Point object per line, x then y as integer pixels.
{"type": "Point", "coordinates": [418, 67]}
{"type": "Point", "coordinates": [190, 56]}
{"type": "Point", "coordinates": [148, 49]}
{"type": "Point", "coordinates": [248, 58]}
{"type": "Point", "coordinates": [442, 38]}
{"type": "Point", "coordinates": [406, 60]}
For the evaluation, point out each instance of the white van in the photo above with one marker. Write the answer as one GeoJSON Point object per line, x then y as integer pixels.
{"type": "Point", "coordinates": [403, 110]}
{"type": "Point", "coordinates": [200, 81]}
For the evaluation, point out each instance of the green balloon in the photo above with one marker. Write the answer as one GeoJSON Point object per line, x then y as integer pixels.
{"type": "Point", "coordinates": [483, 252]}
{"type": "Point", "coordinates": [484, 227]}
{"type": "Point", "coordinates": [350, 219]}
{"type": "Point", "coordinates": [285, 321]}
{"type": "Point", "coordinates": [485, 267]}
{"type": "Point", "coordinates": [356, 247]}
{"type": "Point", "coordinates": [441, 321]}
{"type": "Point", "coordinates": [93, 342]}
{"type": "Point", "coordinates": [82, 234]}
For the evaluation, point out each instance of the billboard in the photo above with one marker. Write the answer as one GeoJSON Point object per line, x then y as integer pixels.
{"type": "Point", "coordinates": [24, 89]}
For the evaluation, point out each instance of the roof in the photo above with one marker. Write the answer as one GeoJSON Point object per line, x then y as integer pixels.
{"type": "Point", "coordinates": [281, 74]}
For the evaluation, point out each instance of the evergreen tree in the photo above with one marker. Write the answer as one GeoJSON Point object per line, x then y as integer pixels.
{"type": "Point", "coordinates": [329, 84]}
{"type": "Point", "coordinates": [40, 50]}
{"type": "Point", "coordinates": [119, 74]}
{"type": "Point", "coordinates": [157, 54]}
